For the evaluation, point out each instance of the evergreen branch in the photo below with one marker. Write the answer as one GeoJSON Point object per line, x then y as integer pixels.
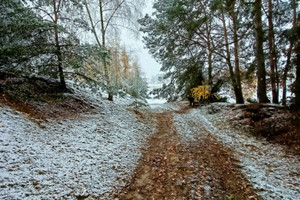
{"type": "Point", "coordinates": [83, 76]}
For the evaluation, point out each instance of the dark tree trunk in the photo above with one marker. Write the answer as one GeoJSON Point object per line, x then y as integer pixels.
{"type": "Point", "coordinates": [273, 57]}
{"type": "Point", "coordinates": [103, 31]}
{"type": "Point", "coordinates": [237, 92]}
{"type": "Point", "coordinates": [259, 53]}
{"type": "Point", "coordinates": [58, 49]}
{"type": "Point", "coordinates": [289, 53]}
{"type": "Point", "coordinates": [209, 48]}
{"type": "Point", "coordinates": [286, 70]}
{"type": "Point", "coordinates": [297, 50]}
{"type": "Point", "coordinates": [210, 53]}
{"type": "Point", "coordinates": [210, 67]}
{"type": "Point", "coordinates": [297, 82]}
{"type": "Point", "coordinates": [239, 95]}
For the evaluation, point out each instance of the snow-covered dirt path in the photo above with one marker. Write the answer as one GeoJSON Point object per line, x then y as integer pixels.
{"type": "Point", "coordinates": [208, 159]}
{"type": "Point", "coordinates": [176, 167]}
{"type": "Point", "coordinates": [273, 172]}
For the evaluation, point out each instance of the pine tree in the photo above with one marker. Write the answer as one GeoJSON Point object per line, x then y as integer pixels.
{"type": "Point", "coordinates": [259, 53]}
{"type": "Point", "coordinates": [23, 39]}
{"type": "Point", "coordinates": [290, 36]}
{"type": "Point", "coordinates": [229, 8]}
{"type": "Point", "coordinates": [297, 61]}
{"type": "Point", "coordinates": [40, 37]}
{"type": "Point", "coordinates": [174, 39]}
{"type": "Point", "coordinates": [273, 54]}
{"type": "Point", "coordinates": [67, 20]}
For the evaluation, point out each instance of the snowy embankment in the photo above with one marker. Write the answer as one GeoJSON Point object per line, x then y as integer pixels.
{"type": "Point", "coordinates": [274, 173]}
{"type": "Point", "coordinates": [67, 159]}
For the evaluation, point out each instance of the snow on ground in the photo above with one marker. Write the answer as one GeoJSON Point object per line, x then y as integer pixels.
{"type": "Point", "coordinates": [274, 173]}
{"type": "Point", "coordinates": [160, 106]}
{"type": "Point", "coordinates": [97, 152]}
{"type": "Point", "coordinates": [156, 103]}
{"type": "Point", "coordinates": [87, 156]}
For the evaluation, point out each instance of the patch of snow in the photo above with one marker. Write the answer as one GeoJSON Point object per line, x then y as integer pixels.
{"type": "Point", "coordinates": [156, 103]}
{"type": "Point", "coordinates": [163, 107]}
{"type": "Point", "coordinates": [87, 156]}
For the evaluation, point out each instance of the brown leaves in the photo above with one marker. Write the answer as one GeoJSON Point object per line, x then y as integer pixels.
{"type": "Point", "coordinates": [203, 169]}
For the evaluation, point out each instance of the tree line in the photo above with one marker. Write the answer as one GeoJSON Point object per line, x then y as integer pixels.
{"type": "Point", "coordinates": [60, 38]}
{"type": "Point", "coordinates": [244, 42]}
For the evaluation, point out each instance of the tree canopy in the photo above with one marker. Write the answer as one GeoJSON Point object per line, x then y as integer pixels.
{"type": "Point", "coordinates": [199, 42]}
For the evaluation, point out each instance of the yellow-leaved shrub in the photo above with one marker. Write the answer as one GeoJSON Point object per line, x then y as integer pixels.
{"type": "Point", "coordinates": [202, 93]}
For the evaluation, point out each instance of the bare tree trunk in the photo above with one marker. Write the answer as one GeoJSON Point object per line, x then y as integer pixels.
{"type": "Point", "coordinates": [102, 44]}
{"type": "Point", "coordinates": [210, 67]}
{"type": "Point", "coordinates": [103, 31]}
{"type": "Point", "coordinates": [92, 23]}
{"type": "Point", "coordinates": [228, 59]}
{"type": "Point", "coordinates": [259, 53]}
{"type": "Point", "coordinates": [208, 28]}
{"type": "Point", "coordinates": [273, 57]}
{"type": "Point", "coordinates": [210, 53]}
{"type": "Point", "coordinates": [286, 70]}
{"type": "Point", "coordinates": [58, 49]}
{"type": "Point", "coordinates": [239, 95]}
{"type": "Point", "coordinates": [288, 61]}
{"type": "Point", "coordinates": [297, 50]}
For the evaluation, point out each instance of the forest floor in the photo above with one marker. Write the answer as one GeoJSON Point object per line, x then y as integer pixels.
{"type": "Point", "coordinates": [85, 147]}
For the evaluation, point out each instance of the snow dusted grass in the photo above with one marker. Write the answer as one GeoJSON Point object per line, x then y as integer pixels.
{"type": "Point", "coordinates": [89, 156]}
{"type": "Point", "coordinates": [273, 173]}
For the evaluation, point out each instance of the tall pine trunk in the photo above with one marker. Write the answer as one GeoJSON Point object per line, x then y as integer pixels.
{"type": "Point", "coordinates": [239, 99]}
{"type": "Point", "coordinates": [289, 53]}
{"type": "Point", "coordinates": [297, 50]}
{"type": "Point", "coordinates": [259, 53]}
{"type": "Point", "coordinates": [210, 81]}
{"type": "Point", "coordinates": [210, 54]}
{"type": "Point", "coordinates": [285, 72]}
{"type": "Point", "coordinates": [273, 56]}
{"type": "Point", "coordinates": [58, 49]}
{"type": "Point", "coordinates": [239, 95]}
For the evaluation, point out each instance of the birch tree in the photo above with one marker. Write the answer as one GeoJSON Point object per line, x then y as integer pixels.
{"type": "Point", "coordinates": [107, 16]}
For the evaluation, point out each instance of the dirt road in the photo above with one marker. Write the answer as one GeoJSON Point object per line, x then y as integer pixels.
{"type": "Point", "coordinates": [172, 168]}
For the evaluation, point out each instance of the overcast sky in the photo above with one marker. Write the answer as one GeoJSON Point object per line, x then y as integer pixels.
{"type": "Point", "coordinates": [148, 64]}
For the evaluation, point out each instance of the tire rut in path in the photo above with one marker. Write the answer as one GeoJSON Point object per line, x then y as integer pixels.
{"type": "Point", "coordinates": [171, 170]}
